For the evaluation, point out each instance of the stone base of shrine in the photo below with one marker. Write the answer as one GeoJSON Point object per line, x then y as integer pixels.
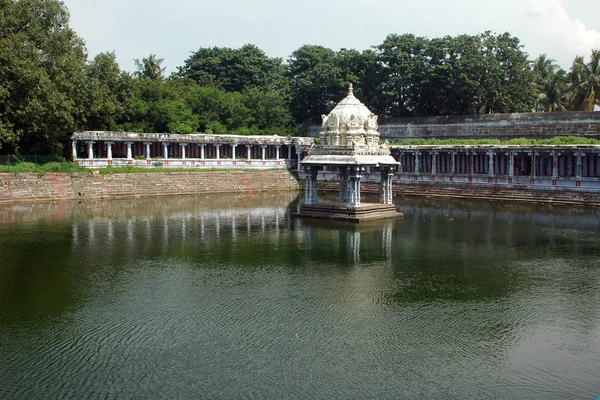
{"type": "Point", "coordinates": [343, 212]}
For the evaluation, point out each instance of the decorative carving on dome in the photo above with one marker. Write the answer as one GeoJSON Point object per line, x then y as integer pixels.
{"type": "Point", "coordinates": [350, 128]}
{"type": "Point", "coordinates": [371, 123]}
{"type": "Point", "coordinates": [333, 121]}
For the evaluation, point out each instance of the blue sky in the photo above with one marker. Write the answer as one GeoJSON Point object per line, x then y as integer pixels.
{"type": "Point", "coordinates": [173, 29]}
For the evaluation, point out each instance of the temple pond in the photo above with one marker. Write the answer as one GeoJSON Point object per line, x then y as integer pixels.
{"type": "Point", "coordinates": [228, 297]}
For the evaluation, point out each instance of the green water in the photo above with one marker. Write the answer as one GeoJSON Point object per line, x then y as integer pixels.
{"type": "Point", "coordinates": [228, 297]}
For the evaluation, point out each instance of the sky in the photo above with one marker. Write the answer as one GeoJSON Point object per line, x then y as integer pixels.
{"type": "Point", "coordinates": [174, 29]}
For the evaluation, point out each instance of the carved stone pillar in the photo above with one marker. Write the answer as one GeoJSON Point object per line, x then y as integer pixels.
{"type": "Point", "coordinates": [311, 196]}
{"type": "Point", "coordinates": [166, 151]}
{"type": "Point", "coordinates": [471, 156]}
{"type": "Point", "coordinates": [555, 155]}
{"type": "Point", "coordinates": [417, 154]}
{"type": "Point", "coordinates": [74, 149]}
{"type": "Point", "coordinates": [263, 152]}
{"type": "Point", "coordinates": [401, 161]}
{"type": "Point", "coordinates": [385, 186]}
{"type": "Point", "coordinates": [248, 152]}
{"type": "Point", "coordinates": [533, 164]}
{"type": "Point", "coordinates": [183, 146]}
{"type": "Point", "coordinates": [90, 144]}
{"type": "Point", "coordinates": [233, 147]}
{"type": "Point", "coordinates": [343, 196]}
{"type": "Point", "coordinates": [511, 164]}
{"type": "Point", "coordinates": [579, 165]}
{"type": "Point", "coordinates": [299, 154]}
{"type": "Point", "coordinates": [109, 150]}
{"type": "Point", "coordinates": [491, 163]}
{"type": "Point", "coordinates": [277, 152]}
{"type": "Point", "coordinates": [355, 176]}
{"type": "Point", "coordinates": [129, 152]}
{"type": "Point", "coordinates": [218, 148]}
{"type": "Point", "coordinates": [433, 162]}
{"type": "Point", "coordinates": [147, 150]}
{"type": "Point", "coordinates": [202, 148]}
{"type": "Point", "coordinates": [452, 163]}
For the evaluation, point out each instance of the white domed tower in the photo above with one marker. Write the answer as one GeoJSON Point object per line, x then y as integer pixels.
{"type": "Point", "coordinates": [350, 124]}
{"type": "Point", "coordinates": [349, 141]}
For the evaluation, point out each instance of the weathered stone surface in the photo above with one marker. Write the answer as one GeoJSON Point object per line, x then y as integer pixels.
{"type": "Point", "coordinates": [345, 212]}
{"type": "Point", "coordinates": [27, 187]}
{"type": "Point", "coordinates": [497, 126]}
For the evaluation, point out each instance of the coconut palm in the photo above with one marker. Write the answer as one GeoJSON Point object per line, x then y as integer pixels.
{"type": "Point", "coordinates": [150, 67]}
{"type": "Point", "coordinates": [585, 83]}
{"type": "Point", "coordinates": [551, 85]}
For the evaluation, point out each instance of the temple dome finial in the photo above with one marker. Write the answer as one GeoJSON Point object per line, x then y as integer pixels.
{"type": "Point", "coordinates": [350, 89]}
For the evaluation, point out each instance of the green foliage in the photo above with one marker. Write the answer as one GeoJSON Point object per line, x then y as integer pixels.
{"type": "Point", "coordinates": [48, 88]}
{"type": "Point", "coordinates": [585, 83]}
{"type": "Point", "coordinates": [41, 75]}
{"type": "Point", "coordinates": [316, 79]}
{"type": "Point", "coordinates": [479, 74]}
{"type": "Point", "coordinates": [235, 70]}
{"type": "Point", "coordinates": [108, 97]}
{"type": "Point", "coordinates": [150, 68]}
{"type": "Point", "coordinates": [26, 166]}
{"type": "Point", "coordinates": [551, 85]}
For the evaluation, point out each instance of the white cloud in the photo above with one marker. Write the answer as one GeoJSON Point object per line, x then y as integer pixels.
{"type": "Point", "coordinates": [564, 36]}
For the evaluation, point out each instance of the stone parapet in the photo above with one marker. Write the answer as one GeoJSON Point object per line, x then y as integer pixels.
{"type": "Point", "coordinates": [490, 126]}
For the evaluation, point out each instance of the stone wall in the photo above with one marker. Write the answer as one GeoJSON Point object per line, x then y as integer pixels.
{"type": "Point", "coordinates": [496, 126]}
{"type": "Point", "coordinates": [30, 187]}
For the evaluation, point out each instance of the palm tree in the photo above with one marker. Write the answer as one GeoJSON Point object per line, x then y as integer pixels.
{"type": "Point", "coordinates": [150, 67]}
{"type": "Point", "coordinates": [551, 85]}
{"type": "Point", "coordinates": [585, 83]}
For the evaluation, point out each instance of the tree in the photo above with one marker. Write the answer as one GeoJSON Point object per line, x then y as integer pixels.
{"type": "Point", "coordinates": [41, 76]}
{"type": "Point", "coordinates": [364, 70]}
{"type": "Point", "coordinates": [108, 93]}
{"type": "Point", "coordinates": [551, 85]}
{"type": "Point", "coordinates": [317, 82]}
{"type": "Point", "coordinates": [585, 83]}
{"type": "Point", "coordinates": [235, 70]}
{"type": "Point", "coordinates": [486, 73]}
{"type": "Point", "coordinates": [150, 68]}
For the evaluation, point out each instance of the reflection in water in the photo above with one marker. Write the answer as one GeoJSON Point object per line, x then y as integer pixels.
{"type": "Point", "coordinates": [227, 296]}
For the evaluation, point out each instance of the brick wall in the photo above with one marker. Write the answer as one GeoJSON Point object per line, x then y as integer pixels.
{"type": "Point", "coordinates": [28, 187]}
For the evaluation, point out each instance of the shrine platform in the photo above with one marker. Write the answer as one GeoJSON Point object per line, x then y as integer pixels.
{"type": "Point", "coordinates": [341, 211]}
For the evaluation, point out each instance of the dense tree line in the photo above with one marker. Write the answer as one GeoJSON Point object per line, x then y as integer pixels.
{"type": "Point", "coordinates": [49, 87]}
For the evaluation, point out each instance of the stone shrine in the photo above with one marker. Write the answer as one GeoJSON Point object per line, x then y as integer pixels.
{"type": "Point", "coordinates": [349, 144]}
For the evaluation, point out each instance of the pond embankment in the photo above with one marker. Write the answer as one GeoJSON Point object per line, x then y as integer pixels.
{"type": "Point", "coordinates": [32, 187]}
